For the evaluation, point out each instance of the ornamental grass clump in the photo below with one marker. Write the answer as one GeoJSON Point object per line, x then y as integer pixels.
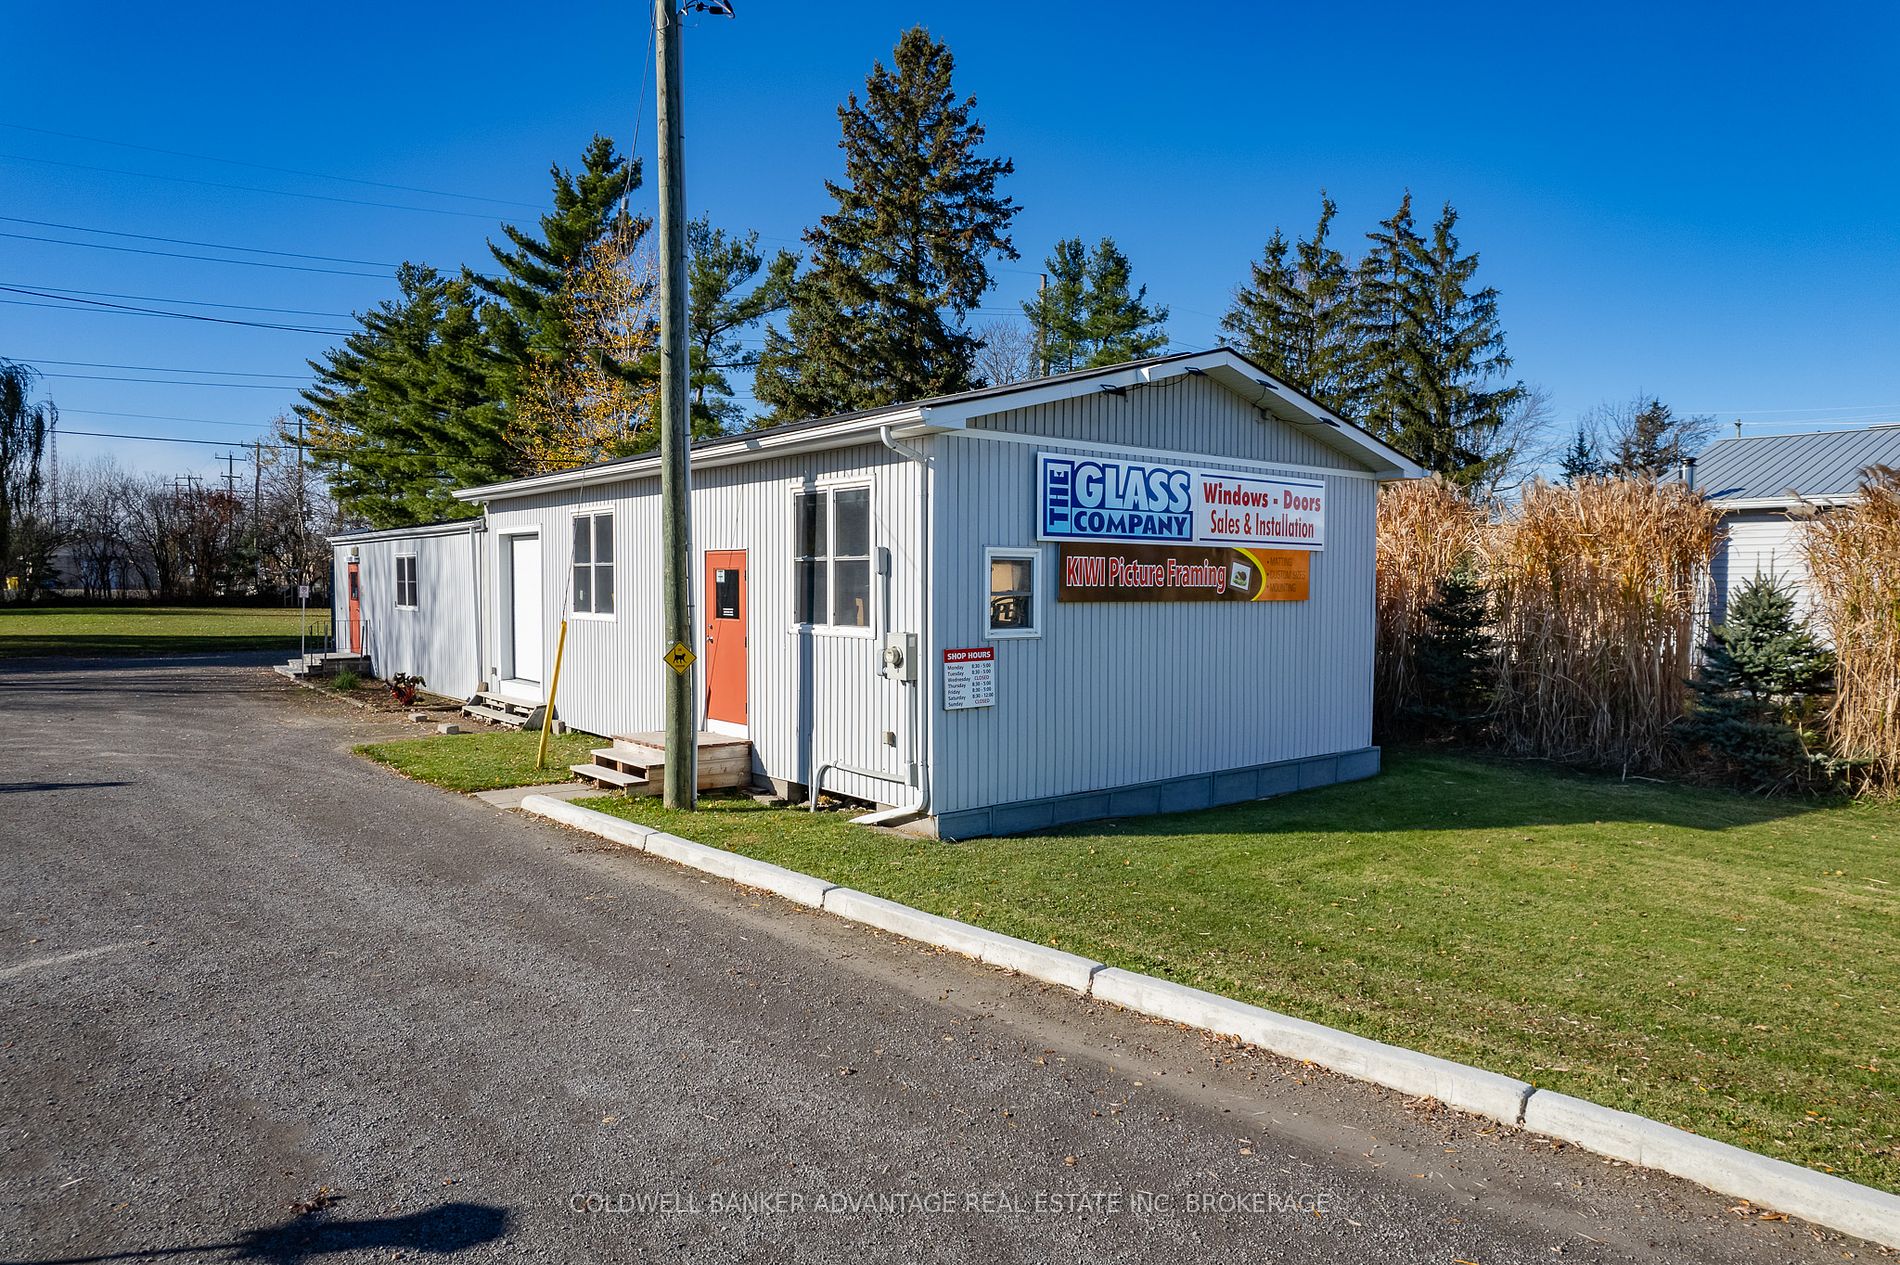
{"type": "Point", "coordinates": [1595, 587]}
{"type": "Point", "coordinates": [1427, 528]}
{"type": "Point", "coordinates": [1853, 556]}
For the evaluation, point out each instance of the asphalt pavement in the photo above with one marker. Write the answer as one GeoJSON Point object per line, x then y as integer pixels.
{"type": "Point", "coordinates": [263, 1000]}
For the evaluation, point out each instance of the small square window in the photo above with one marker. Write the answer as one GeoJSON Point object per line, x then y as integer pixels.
{"type": "Point", "coordinates": [406, 589]}
{"type": "Point", "coordinates": [1013, 610]}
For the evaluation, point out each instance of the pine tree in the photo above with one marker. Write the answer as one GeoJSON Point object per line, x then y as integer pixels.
{"type": "Point", "coordinates": [528, 325]}
{"type": "Point", "coordinates": [1119, 324]}
{"type": "Point", "coordinates": [902, 261]}
{"type": "Point", "coordinates": [1647, 437]}
{"type": "Point", "coordinates": [405, 411]}
{"type": "Point", "coordinates": [1294, 317]}
{"type": "Point", "coordinates": [1059, 311]}
{"type": "Point", "coordinates": [1086, 314]}
{"type": "Point", "coordinates": [1429, 351]}
{"type": "Point", "coordinates": [1757, 688]}
{"type": "Point", "coordinates": [1580, 459]}
{"type": "Point", "coordinates": [718, 268]}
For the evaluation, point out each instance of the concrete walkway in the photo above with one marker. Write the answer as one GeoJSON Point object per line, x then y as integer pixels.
{"type": "Point", "coordinates": [239, 966]}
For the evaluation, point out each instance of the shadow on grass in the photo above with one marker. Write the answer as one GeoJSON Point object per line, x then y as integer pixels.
{"type": "Point", "coordinates": [1420, 791]}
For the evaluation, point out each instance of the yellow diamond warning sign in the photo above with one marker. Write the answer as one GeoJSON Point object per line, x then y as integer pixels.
{"type": "Point", "coordinates": [679, 658]}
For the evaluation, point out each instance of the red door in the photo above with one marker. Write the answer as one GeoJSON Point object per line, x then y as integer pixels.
{"type": "Point", "coordinates": [725, 636]}
{"type": "Point", "coordinates": [356, 611]}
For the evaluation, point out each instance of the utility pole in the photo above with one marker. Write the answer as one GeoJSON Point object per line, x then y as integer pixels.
{"type": "Point", "coordinates": [676, 536]}
{"type": "Point", "coordinates": [1042, 314]}
{"type": "Point", "coordinates": [257, 523]}
{"type": "Point", "coordinates": [230, 472]}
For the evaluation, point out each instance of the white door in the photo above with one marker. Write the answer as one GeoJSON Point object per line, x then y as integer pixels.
{"type": "Point", "coordinates": [524, 566]}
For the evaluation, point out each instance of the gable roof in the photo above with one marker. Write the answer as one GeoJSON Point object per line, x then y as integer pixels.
{"type": "Point", "coordinates": [950, 413]}
{"type": "Point", "coordinates": [1776, 471]}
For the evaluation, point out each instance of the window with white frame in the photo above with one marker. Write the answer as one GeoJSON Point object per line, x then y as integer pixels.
{"type": "Point", "coordinates": [406, 581]}
{"type": "Point", "coordinates": [831, 557]}
{"type": "Point", "coordinates": [1013, 609]}
{"type": "Point", "coordinates": [594, 563]}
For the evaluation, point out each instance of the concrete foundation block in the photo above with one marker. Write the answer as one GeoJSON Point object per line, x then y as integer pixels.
{"type": "Point", "coordinates": [1470, 1089]}
{"type": "Point", "coordinates": [448, 727]}
{"type": "Point", "coordinates": [1035, 960]}
{"type": "Point", "coordinates": [1769, 1183]}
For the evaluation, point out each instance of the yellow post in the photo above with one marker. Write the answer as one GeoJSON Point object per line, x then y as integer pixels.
{"type": "Point", "coordinates": [547, 717]}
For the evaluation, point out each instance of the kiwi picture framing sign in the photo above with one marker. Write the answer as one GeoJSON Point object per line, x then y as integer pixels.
{"type": "Point", "coordinates": [1182, 573]}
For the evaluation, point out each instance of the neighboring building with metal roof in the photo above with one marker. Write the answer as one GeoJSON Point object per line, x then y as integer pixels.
{"type": "Point", "coordinates": [1759, 481]}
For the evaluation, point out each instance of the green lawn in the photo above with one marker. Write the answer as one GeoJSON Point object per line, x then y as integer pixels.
{"type": "Point", "coordinates": [1726, 964]}
{"type": "Point", "coordinates": [131, 631]}
{"type": "Point", "coordinates": [482, 761]}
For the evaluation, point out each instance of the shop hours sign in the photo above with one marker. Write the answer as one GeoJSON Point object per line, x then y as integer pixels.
{"type": "Point", "coordinates": [969, 678]}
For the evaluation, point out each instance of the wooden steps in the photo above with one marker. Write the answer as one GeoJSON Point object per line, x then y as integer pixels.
{"type": "Point", "coordinates": [509, 713]}
{"type": "Point", "coordinates": [636, 763]}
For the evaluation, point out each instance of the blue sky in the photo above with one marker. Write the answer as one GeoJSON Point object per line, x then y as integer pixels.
{"type": "Point", "coordinates": [1702, 202]}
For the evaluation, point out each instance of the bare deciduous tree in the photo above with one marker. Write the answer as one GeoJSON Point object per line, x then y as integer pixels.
{"type": "Point", "coordinates": [1006, 352]}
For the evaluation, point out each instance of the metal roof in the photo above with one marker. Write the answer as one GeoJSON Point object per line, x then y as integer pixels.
{"type": "Point", "coordinates": [1783, 469]}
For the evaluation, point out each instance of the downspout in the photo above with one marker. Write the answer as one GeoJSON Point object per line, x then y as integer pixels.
{"type": "Point", "coordinates": [476, 528]}
{"type": "Point", "coordinates": [921, 711]}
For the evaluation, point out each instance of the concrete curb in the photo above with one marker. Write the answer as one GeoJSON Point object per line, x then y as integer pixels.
{"type": "Point", "coordinates": [1833, 1202]}
{"type": "Point", "coordinates": [1023, 956]}
{"type": "Point", "coordinates": [1800, 1192]}
{"type": "Point", "coordinates": [1421, 1075]}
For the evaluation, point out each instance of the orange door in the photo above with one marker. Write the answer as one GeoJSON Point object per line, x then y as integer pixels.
{"type": "Point", "coordinates": [356, 611]}
{"type": "Point", "coordinates": [725, 635]}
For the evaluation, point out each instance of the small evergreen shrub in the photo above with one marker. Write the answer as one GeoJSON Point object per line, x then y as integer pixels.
{"type": "Point", "coordinates": [1758, 692]}
{"type": "Point", "coordinates": [1455, 657]}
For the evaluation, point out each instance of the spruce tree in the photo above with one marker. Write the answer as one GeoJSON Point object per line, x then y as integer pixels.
{"type": "Point", "coordinates": [1580, 459]}
{"type": "Point", "coordinates": [719, 267]}
{"type": "Point", "coordinates": [1454, 654]}
{"type": "Point", "coordinates": [1757, 690]}
{"type": "Point", "coordinates": [589, 205]}
{"type": "Point", "coordinates": [1429, 356]}
{"type": "Point", "coordinates": [1088, 315]}
{"type": "Point", "coordinates": [903, 259]}
{"type": "Point", "coordinates": [1294, 317]}
{"type": "Point", "coordinates": [1119, 324]}
{"type": "Point", "coordinates": [1059, 312]}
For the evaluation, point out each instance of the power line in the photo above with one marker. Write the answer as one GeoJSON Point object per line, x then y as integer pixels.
{"type": "Point", "coordinates": [216, 373]}
{"type": "Point", "coordinates": [287, 171]}
{"type": "Point", "coordinates": [169, 382]}
{"type": "Point", "coordinates": [173, 254]}
{"type": "Point", "coordinates": [183, 241]}
{"type": "Point", "coordinates": [160, 298]}
{"type": "Point", "coordinates": [169, 439]}
{"type": "Point", "coordinates": [246, 188]}
{"type": "Point", "coordinates": [145, 311]}
{"type": "Point", "coordinates": [154, 417]}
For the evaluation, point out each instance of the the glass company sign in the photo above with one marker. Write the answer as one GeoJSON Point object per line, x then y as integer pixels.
{"type": "Point", "coordinates": [1110, 498]}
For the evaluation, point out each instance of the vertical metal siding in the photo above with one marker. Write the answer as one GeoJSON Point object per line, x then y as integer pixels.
{"type": "Point", "coordinates": [814, 696]}
{"type": "Point", "coordinates": [435, 641]}
{"type": "Point", "coordinates": [1116, 694]}
{"type": "Point", "coordinates": [1766, 543]}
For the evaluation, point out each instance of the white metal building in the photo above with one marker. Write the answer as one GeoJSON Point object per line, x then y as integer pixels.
{"type": "Point", "coordinates": [1761, 482]}
{"type": "Point", "coordinates": [408, 599]}
{"type": "Point", "coordinates": [1119, 591]}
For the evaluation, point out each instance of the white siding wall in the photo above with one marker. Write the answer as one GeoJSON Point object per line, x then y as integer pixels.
{"type": "Point", "coordinates": [1761, 542]}
{"type": "Point", "coordinates": [436, 640]}
{"type": "Point", "coordinates": [1115, 694]}
{"type": "Point", "coordinates": [814, 695]}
